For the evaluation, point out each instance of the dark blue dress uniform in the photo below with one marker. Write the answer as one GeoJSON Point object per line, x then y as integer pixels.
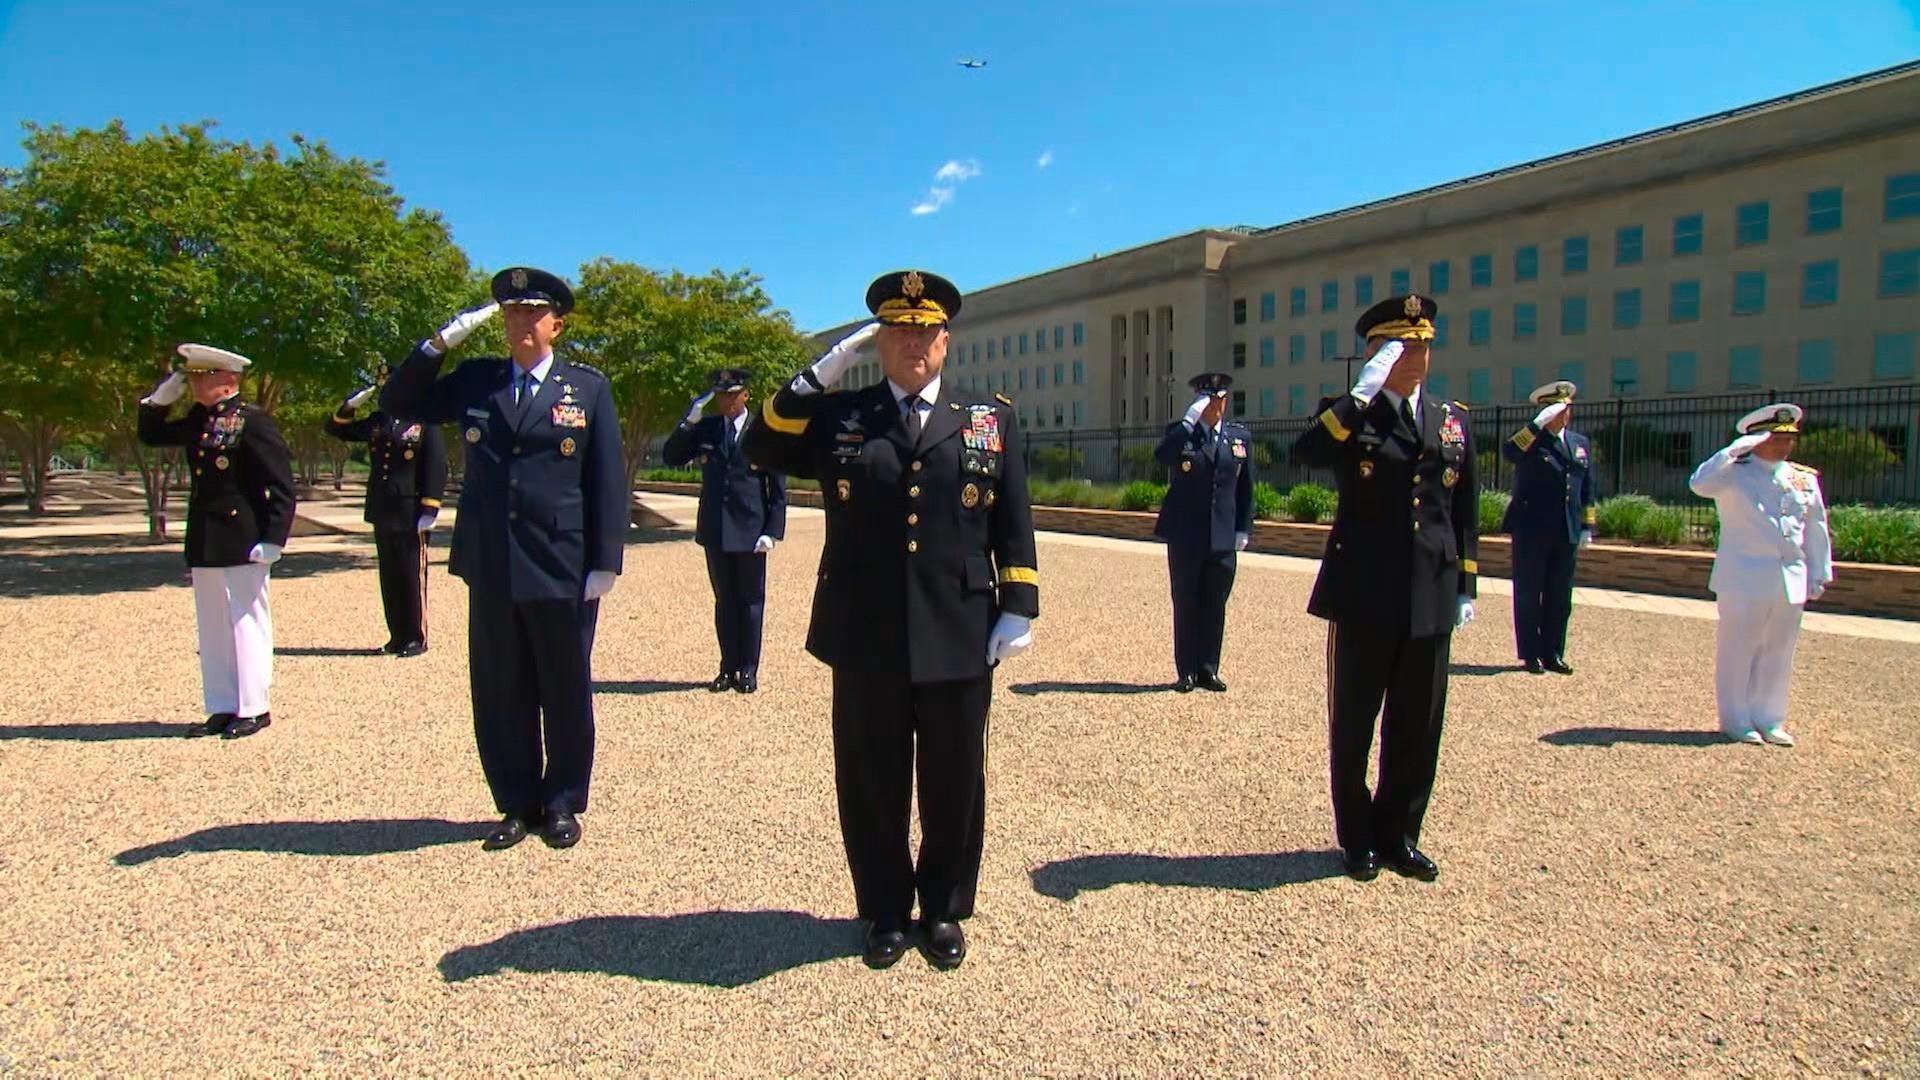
{"type": "Point", "coordinates": [240, 492]}
{"type": "Point", "coordinates": [1209, 500]}
{"type": "Point", "coordinates": [1400, 558]}
{"type": "Point", "coordinates": [406, 477]}
{"type": "Point", "coordinates": [1552, 505]}
{"type": "Point", "coordinates": [739, 503]}
{"type": "Point", "coordinates": [928, 541]}
{"type": "Point", "coordinates": [543, 502]}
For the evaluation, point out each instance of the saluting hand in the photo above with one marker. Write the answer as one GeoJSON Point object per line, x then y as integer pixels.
{"type": "Point", "coordinates": [1545, 417]}
{"type": "Point", "coordinates": [169, 391]}
{"type": "Point", "coordinates": [1746, 444]}
{"type": "Point", "coordinates": [359, 397]}
{"type": "Point", "coordinates": [462, 326]}
{"type": "Point", "coordinates": [698, 405]}
{"type": "Point", "coordinates": [838, 359]}
{"type": "Point", "coordinates": [1374, 375]}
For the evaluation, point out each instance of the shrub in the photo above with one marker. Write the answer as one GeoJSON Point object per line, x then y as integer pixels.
{"type": "Point", "coordinates": [1622, 515]}
{"type": "Point", "coordinates": [1849, 459]}
{"type": "Point", "coordinates": [1662, 525]}
{"type": "Point", "coordinates": [1267, 503]}
{"type": "Point", "coordinates": [671, 476]}
{"type": "Point", "coordinates": [1867, 534]}
{"type": "Point", "coordinates": [1136, 462]}
{"type": "Point", "coordinates": [1493, 511]}
{"type": "Point", "coordinates": [1142, 495]}
{"type": "Point", "coordinates": [1308, 503]}
{"type": "Point", "coordinates": [1058, 462]}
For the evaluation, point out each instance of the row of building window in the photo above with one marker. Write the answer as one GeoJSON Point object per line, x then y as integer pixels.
{"type": "Point", "coordinates": [969, 352]}
{"type": "Point", "coordinates": [1753, 224]}
{"type": "Point", "coordinates": [1017, 379]}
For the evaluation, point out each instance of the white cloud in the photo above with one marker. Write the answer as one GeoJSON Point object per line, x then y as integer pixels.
{"type": "Point", "coordinates": [956, 171]}
{"type": "Point", "coordinates": [935, 199]}
{"type": "Point", "coordinates": [1046, 159]}
{"type": "Point", "coordinates": [945, 179]}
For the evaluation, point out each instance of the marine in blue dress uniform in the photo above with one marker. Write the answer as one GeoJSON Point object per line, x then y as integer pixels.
{"type": "Point", "coordinates": [1550, 518]}
{"type": "Point", "coordinates": [743, 514]}
{"type": "Point", "coordinates": [544, 511]}
{"type": "Point", "coordinates": [1206, 520]}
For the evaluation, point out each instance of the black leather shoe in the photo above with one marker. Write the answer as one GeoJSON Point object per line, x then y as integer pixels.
{"type": "Point", "coordinates": [509, 832]}
{"type": "Point", "coordinates": [560, 829]}
{"type": "Point", "coordinates": [746, 684]}
{"type": "Point", "coordinates": [1408, 862]}
{"type": "Point", "coordinates": [1209, 681]}
{"type": "Point", "coordinates": [389, 648]}
{"type": "Point", "coordinates": [1558, 666]}
{"type": "Point", "coordinates": [721, 683]}
{"type": "Point", "coordinates": [1362, 864]}
{"type": "Point", "coordinates": [411, 648]}
{"type": "Point", "coordinates": [214, 725]}
{"type": "Point", "coordinates": [1532, 667]}
{"type": "Point", "coordinates": [945, 944]}
{"type": "Point", "coordinates": [247, 725]}
{"type": "Point", "coordinates": [1184, 686]}
{"type": "Point", "coordinates": [885, 946]}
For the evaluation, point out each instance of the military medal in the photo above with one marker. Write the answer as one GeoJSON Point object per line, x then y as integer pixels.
{"type": "Point", "coordinates": [990, 497]}
{"type": "Point", "coordinates": [408, 455]}
{"type": "Point", "coordinates": [1448, 477]}
{"type": "Point", "coordinates": [1366, 468]}
{"type": "Point", "coordinates": [845, 489]}
{"type": "Point", "coordinates": [571, 416]}
{"type": "Point", "coordinates": [1186, 466]}
{"type": "Point", "coordinates": [473, 434]}
{"type": "Point", "coordinates": [1239, 449]}
{"type": "Point", "coordinates": [566, 447]}
{"type": "Point", "coordinates": [970, 496]}
{"type": "Point", "coordinates": [221, 462]}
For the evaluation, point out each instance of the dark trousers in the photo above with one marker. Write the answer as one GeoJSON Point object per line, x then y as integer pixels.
{"type": "Point", "coordinates": [403, 584]}
{"type": "Point", "coordinates": [528, 662]}
{"type": "Point", "coordinates": [884, 730]}
{"type": "Point", "coordinates": [1542, 596]}
{"type": "Point", "coordinates": [739, 607]}
{"type": "Point", "coordinates": [1364, 666]}
{"type": "Point", "coordinates": [1202, 580]}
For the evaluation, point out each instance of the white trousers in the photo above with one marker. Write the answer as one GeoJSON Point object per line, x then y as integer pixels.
{"type": "Point", "coordinates": [236, 637]}
{"type": "Point", "coordinates": [1753, 659]}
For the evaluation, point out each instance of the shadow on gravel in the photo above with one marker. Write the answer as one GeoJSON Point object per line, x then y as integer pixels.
{"type": "Point", "coordinates": [1029, 689]}
{"type": "Point", "coordinates": [374, 837]}
{"type": "Point", "coordinates": [1483, 669]}
{"type": "Point", "coordinates": [646, 686]}
{"type": "Point", "coordinates": [324, 650]}
{"type": "Point", "coordinates": [726, 949]}
{"type": "Point", "coordinates": [106, 732]}
{"type": "Point", "coordinates": [1068, 878]}
{"type": "Point", "coordinates": [1610, 736]}
{"type": "Point", "coordinates": [39, 572]}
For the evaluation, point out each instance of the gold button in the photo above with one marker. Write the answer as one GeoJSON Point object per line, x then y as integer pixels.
{"type": "Point", "coordinates": [516, 448]}
{"type": "Point", "coordinates": [916, 466]}
{"type": "Point", "coordinates": [913, 546]}
{"type": "Point", "coordinates": [513, 515]}
{"type": "Point", "coordinates": [913, 519]}
{"type": "Point", "coordinates": [1416, 500]}
{"type": "Point", "coordinates": [914, 491]}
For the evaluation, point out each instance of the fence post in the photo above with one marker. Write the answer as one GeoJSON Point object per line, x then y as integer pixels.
{"type": "Point", "coordinates": [1619, 441]}
{"type": "Point", "coordinates": [1070, 468]}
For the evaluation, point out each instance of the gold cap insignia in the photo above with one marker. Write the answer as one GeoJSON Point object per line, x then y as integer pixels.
{"type": "Point", "coordinates": [970, 496]}
{"type": "Point", "coordinates": [1412, 307]}
{"type": "Point", "coordinates": [519, 279]}
{"type": "Point", "coordinates": [1366, 468]}
{"type": "Point", "coordinates": [1186, 466]}
{"type": "Point", "coordinates": [1784, 416]}
{"type": "Point", "coordinates": [566, 447]}
{"type": "Point", "coordinates": [912, 285]}
{"type": "Point", "coordinates": [844, 488]}
{"type": "Point", "coordinates": [473, 434]}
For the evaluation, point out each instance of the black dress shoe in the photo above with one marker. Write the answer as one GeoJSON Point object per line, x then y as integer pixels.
{"type": "Point", "coordinates": [1184, 686]}
{"type": "Point", "coordinates": [721, 683]}
{"type": "Point", "coordinates": [511, 830]}
{"type": "Point", "coordinates": [560, 829]}
{"type": "Point", "coordinates": [1362, 864]}
{"type": "Point", "coordinates": [411, 648]}
{"type": "Point", "coordinates": [247, 725]}
{"type": "Point", "coordinates": [1209, 681]}
{"type": "Point", "coordinates": [214, 725]}
{"type": "Point", "coordinates": [1558, 666]}
{"type": "Point", "coordinates": [1408, 862]}
{"type": "Point", "coordinates": [886, 944]}
{"type": "Point", "coordinates": [1532, 667]}
{"type": "Point", "coordinates": [746, 684]}
{"type": "Point", "coordinates": [945, 945]}
{"type": "Point", "coordinates": [390, 648]}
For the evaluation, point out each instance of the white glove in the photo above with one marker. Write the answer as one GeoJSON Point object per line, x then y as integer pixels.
{"type": "Point", "coordinates": [764, 545]}
{"type": "Point", "coordinates": [1547, 415]}
{"type": "Point", "coordinates": [1199, 406]}
{"type": "Point", "coordinates": [1374, 375]}
{"type": "Point", "coordinates": [1464, 615]}
{"type": "Point", "coordinates": [828, 368]}
{"type": "Point", "coordinates": [1745, 444]}
{"type": "Point", "coordinates": [1240, 541]}
{"type": "Point", "coordinates": [427, 518]}
{"type": "Point", "coordinates": [359, 398]}
{"type": "Point", "coordinates": [169, 390]}
{"type": "Point", "coordinates": [1814, 592]}
{"type": "Point", "coordinates": [599, 584]}
{"type": "Point", "coordinates": [1012, 635]}
{"type": "Point", "coordinates": [699, 405]}
{"type": "Point", "coordinates": [463, 324]}
{"type": "Point", "coordinates": [264, 553]}
{"type": "Point", "coordinates": [1586, 537]}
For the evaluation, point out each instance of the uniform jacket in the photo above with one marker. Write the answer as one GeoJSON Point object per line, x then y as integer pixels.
{"type": "Point", "coordinates": [925, 545]}
{"type": "Point", "coordinates": [406, 467]}
{"type": "Point", "coordinates": [739, 501]}
{"type": "Point", "coordinates": [241, 490]}
{"type": "Point", "coordinates": [1552, 485]}
{"type": "Point", "coordinates": [1773, 527]}
{"type": "Point", "coordinates": [1405, 539]}
{"type": "Point", "coordinates": [1210, 488]}
{"type": "Point", "coordinates": [543, 500]}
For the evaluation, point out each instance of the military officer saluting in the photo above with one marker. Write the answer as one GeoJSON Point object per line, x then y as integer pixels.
{"type": "Point", "coordinates": [1776, 554]}
{"type": "Point", "coordinates": [927, 582]}
{"type": "Point", "coordinates": [1550, 517]}
{"type": "Point", "coordinates": [406, 478]}
{"type": "Point", "coordinates": [544, 510]}
{"type": "Point", "coordinates": [239, 515]}
{"type": "Point", "coordinates": [1205, 519]}
{"type": "Point", "coordinates": [1397, 578]}
{"type": "Point", "coordinates": [743, 514]}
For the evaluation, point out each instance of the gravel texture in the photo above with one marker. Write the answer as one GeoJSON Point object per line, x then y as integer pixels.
{"type": "Point", "coordinates": [1159, 895]}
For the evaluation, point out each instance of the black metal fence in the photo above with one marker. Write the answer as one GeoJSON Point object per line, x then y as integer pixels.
{"type": "Point", "coordinates": [1860, 439]}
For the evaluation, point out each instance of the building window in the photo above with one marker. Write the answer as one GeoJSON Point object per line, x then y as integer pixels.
{"type": "Point", "coordinates": [1683, 302]}
{"type": "Point", "coordinates": [1296, 348]}
{"type": "Point", "coordinates": [1123, 410]}
{"type": "Point", "coordinates": [1573, 315]}
{"type": "Point", "coordinates": [1479, 326]}
{"type": "Point", "coordinates": [1363, 290]}
{"type": "Point", "coordinates": [1269, 305]}
{"type": "Point", "coordinates": [1689, 234]}
{"type": "Point", "coordinates": [1743, 367]}
{"type": "Point", "coordinates": [1079, 334]}
{"type": "Point", "coordinates": [1820, 283]}
{"type": "Point", "coordinates": [1059, 338]}
{"type": "Point", "coordinates": [1523, 383]}
{"type": "Point", "coordinates": [1400, 282]}
{"type": "Point", "coordinates": [1899, 273]}
{"type": "Point", "coordinates": [1059, 414]}
{"type": "Point", "coordinates": [1893, 356]}
{"type": "Point", "coordinates": [1296, 400]}
{"type": "Point", "coordinates": [1628, 245]}
{"type": "Point", "coordinates": [1266, 352]}
{"type": "Point", "coordinates": [1480, 271]}
{"type": "Point", "coordinates": [1903, 196]}
{"type": "Point", "coordinates": [1023, 344]}
{"type": "Point", "coordinates": [1006, 345]}
{"type": "Point", "coordinates": [1079, 373]}
{"type": "Point", "coordinates": [1023, 378]}
{"type": "Point", "coordinates": [1266, 401]}
{"type": "Point", "coordinates": [976, 351]}
{"type": "Point", "coordinates": [1040, 377]}
{"type": "Point", "coordinates": [1815, 361]}
{"type": "Point", "coordinates": [1079, 413]}
{"type": "Point", "coordinates": [1437, 386]}
{"type": "Point", "coordinates": [1239, 311]}
{"type": "Point", "coordinates": [1239, 403]}
{"type": "Point", "coordinates": [1823, 211]}
{"type": "Point", "coordinates": [1526, 263]}
{"type": "Point", "coordinates": [1680, 372]}
{"type": "Point", "coordinates": [1439, 331]}
{"type": "Point", "coordinates": [1574, 371]}
{"type": "Point", "coordinates": [1526, 321]}
{"type": "Point", "coordinates": [1480, 385]}
{"type": "Point", "coordinates": [1750, 292]}
{"type": "Point", "coordinates": [1573, 255]}
{"type": "Point", "coordinates": [1750, 224]}
{"type": "Point", "coordinates": [1439, 277]}
{"type": "Point", "coordinates": [1626, 309]}
{"type": "Point", "coordinates": [989, 348]}
{"type": "Point", "coordinates": [1329, 296]}
{"type": "Point", "coordinates": [1296, 301]}
{"type": "Point", "coordinates": [1626, 376]}
{"type": "Point", "coordinates": [1059, 373]}
{"type": "Point", "coordinates": [1040, 340]}
{"type": "Point", "coordinates": [1239, 353]}
{"type": "Point", "coordinates": [1329, 343]}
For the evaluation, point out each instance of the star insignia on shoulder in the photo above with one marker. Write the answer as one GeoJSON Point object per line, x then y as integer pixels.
{"type": "Point", "coordinates": [1004, 400]}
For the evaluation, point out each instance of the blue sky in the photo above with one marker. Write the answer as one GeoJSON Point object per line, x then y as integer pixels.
{"type": "Point", "coordinates": [797, 139]}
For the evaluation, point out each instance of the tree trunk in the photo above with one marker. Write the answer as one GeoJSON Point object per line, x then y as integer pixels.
{"type": "Point", "coordinates": [155, 466]}
{"type": "Point", "coordinates": [34, 440]}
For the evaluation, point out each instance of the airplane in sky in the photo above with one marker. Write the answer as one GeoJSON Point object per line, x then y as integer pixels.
{"type": "Point", "coordinates": [971, 63]}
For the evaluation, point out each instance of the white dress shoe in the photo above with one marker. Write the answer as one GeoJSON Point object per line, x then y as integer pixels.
{"type": "Point", "coordinates": [1777, 735]}
{"type": "Point", "coordinates": [1745, 735]}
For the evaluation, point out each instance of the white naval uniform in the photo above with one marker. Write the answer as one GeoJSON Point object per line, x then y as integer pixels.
{"type": "Point", "coordinates": [1775, 554]}
{"type": "Point", "coordinates": [236, 638]}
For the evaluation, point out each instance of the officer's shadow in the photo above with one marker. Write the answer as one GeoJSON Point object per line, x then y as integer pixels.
{"type": "Point", "coordinates": [1068, 878]}
{"type": "Point", "coordinates": [1031, 688]}
{"type": "Point", "coordinates": [725, 949]}
{"type": "Point", "coordinates": [363, 837]}
{"type": "Point", "coordinates": [1612, 736]}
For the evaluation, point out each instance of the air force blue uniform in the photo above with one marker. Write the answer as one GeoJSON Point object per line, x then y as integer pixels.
{"type": "Point", "coordinates": [1209, 500]}
{"type": "Point", "coordinates": [1552, 505]}
{"type": "Point", "coordinates": [739, 503]}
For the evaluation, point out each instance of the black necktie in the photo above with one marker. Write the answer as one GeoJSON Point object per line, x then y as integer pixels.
{"type": "Point", "coordinates": [731, 435]}
{"type": "Point", "coordinates": [1406, 413]}
{"type": "Point", "coordinates": [913, 419]}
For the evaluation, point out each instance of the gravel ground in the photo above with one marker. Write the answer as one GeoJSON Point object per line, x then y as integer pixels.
{"type": "Point", "coordinates": [1159, 896]}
